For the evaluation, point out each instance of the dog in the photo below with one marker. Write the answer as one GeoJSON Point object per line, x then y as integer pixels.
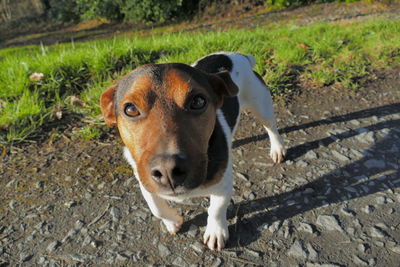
{"type": "Point", "coordinates": [177, 123]}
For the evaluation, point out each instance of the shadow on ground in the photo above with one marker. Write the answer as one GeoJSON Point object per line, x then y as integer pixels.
{"type": "Point", "coordinates": [366, 176]}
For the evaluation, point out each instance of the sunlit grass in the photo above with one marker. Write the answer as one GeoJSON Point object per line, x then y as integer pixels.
{"type": "Point", "coordinates": [321, 54]}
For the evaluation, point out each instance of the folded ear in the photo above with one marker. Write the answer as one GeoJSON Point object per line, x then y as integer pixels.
{"type": "Point", "coordinates": [223, 85]}
{"type": "Point", "coordinates": [107, 105]}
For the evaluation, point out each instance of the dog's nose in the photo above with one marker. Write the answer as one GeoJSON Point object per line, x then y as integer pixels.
{"type": "Point", "coordinates": [169, 170]}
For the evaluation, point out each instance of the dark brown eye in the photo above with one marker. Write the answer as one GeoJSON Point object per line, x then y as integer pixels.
{"type": "Point", "coordinates": [131, 110]}
{"type": "Point", "coordinates": [198, 103]}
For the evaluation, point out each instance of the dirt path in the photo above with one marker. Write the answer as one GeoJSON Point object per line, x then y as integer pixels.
{"type": "Point", "coordinates": [334, 202]}
{"type": "Point", "coordinates": [48, 34]}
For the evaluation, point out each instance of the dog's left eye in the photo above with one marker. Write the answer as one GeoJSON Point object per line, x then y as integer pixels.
{"type": "Point", "coordinates": [131, 110]}
{"type": "Point", "coordinates": [198, 103]}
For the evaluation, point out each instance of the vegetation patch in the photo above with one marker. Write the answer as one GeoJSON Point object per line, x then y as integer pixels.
{"type": "Point", "coordinates": [37, 83]}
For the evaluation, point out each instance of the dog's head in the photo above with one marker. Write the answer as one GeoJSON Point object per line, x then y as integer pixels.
{"type": "Point", "coordinates": [166, 114]}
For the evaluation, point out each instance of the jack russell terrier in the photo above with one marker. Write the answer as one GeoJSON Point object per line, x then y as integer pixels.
{"type": "Point", "coordinates": [177, 122]}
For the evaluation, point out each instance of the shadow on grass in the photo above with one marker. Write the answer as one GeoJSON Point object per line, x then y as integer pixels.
{"type": "Point", "coordinates": [376, 172]}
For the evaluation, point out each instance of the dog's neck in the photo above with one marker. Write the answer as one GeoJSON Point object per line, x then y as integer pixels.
{"type": "Point", "coordinates": [217, 154]}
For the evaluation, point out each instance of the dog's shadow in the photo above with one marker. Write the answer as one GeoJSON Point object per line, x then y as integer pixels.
{"type": "Point", "coordinates": [368, 175]}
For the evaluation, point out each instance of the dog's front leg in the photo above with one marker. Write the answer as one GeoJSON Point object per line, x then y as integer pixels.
{"type": "Point", "coordinates": [159, 207]}
{"type": "Point", "coordinates": [217, 233]}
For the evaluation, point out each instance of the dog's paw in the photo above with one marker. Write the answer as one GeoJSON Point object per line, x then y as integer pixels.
{"type": "Point", "coordinates": [278, 153]}
{"type": "Point", "coordinates": [173, 226]}
{"type": "Point", "coordinates": [216, 235]}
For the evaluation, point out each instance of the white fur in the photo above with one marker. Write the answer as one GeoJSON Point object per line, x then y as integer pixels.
{"type": "Point", "coordinates": [253, 94]}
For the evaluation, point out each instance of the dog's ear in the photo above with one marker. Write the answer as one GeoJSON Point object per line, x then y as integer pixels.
{"type": "Point", "coordinates": [107, 105]}
{"type": "Point", "coordinates": [223, 85]}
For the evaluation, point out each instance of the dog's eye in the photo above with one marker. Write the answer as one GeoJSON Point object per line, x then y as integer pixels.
{"type": "Point", "coordinates": [198, 103]}
{"type": "Point", "coordinates": [131, 110]}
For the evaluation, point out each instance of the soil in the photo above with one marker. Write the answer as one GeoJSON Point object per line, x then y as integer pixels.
{"type": "Point", "coordinates": [335, 201]}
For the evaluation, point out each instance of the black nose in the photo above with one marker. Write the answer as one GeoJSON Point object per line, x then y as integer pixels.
{"type": "Point", "coordinates": [169, 170]}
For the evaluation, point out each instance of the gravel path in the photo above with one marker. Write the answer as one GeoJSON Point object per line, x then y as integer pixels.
{"type": "Point", "coordinates": [334, 202]}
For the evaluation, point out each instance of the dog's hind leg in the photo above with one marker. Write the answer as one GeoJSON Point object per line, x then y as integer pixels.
{"type": "Point", "coordinates": [257, 98]}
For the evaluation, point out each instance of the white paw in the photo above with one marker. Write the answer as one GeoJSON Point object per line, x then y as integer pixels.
{"type": "Point", "coordinates": [278, 152]}
{"type": "Point", "coordinates": [216, 235]}
{"type": "Point", "coordinates": [173, 226]}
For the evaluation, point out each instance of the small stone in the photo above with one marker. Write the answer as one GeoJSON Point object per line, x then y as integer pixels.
{"type": "Point", "coordinates": [301, 164]}
{"type": "Point", "coordinates": [115, 213]}
{"type": "Point", "coordinates": [376, 232]}
{"type": "Point", "coordinates": [346, 211]}
{"type": "Point", "coordinates": [374, 163]}
{"type": "Point", "coordinates": [121, 258]}
{"type": "Point", "coordinates": [362, 248]}
{"type": "Point", "coordinates": [310, 155]}
{"type": "Point", "coordinates": [396, 249]}
{"type": "Point", "coordinates": [12, 204]}
{"type": "Point", "coordinates": [198, 247]}
{"type": "Point", "coordinates": [53, 246]}
{"type": "Point", "coordinates": [217, 263]}
{"type": "Point", "coordinates": [357, 260]}
{"type": "Point", "coordinates": [312, 253]}
{"type": "Point", "coordinates": [79, 224]}
{"type": "Point", "coordinates": [296, 250]}
{"type": "Point", "coordinates": [179, 262]}
{"type": "Point", "coordinates": [253, 253]}
{"type": "Point", "coordinates": [242, 176]}
{"type": "Point", "coordinates": [76, 257]}
{"type": "Point", "coordinates": [163, 250]}
{"type": "Point", "coordinates": [70, 204]}
{"type": "Point", "coordinates": [305, 227]}
{"type": "Point", "coordinates": [355, 122]}
{"type": "Point", "coordinates": [23, 257]}
{"type": "Point", "coordinates": [339, 156]}
{"type": "Point", "coordinates": [329, 222]}
{"type": "Point", "coordinates": [368, 209]}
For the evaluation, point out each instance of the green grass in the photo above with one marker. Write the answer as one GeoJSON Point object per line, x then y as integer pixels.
{"type": "Point", "coordinates": [320, 54]}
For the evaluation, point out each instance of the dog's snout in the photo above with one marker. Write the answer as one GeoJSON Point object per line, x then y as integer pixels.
{"type": "Point", "coordinates": [169, 170]}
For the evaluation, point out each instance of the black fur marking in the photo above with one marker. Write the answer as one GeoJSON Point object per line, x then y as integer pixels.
{"type": "Point", "coordinates": [231, 110]}
{"type": "Point", "coordinates": [217, 153]}
{"type": "Point", "coordinates": [214, 64]}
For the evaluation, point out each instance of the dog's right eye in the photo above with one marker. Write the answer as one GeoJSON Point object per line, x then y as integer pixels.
{"type": "Point", "coordinates": [131, 110]}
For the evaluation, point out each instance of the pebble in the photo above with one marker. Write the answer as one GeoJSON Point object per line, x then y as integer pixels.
{"type": "Point", "coordinates": [339, 156]}
{"type": "Point", "coordinates": [53, 246]}
{"type": "Point", "coordinates": [163, 250]}
{"type": "Point", "coordinates": [357, 260]}
{"type": "Point", "coordinates": [301, 164]}
{"type": "Point", "coordinates": [396, 249]}
{"type": "Point", "coordinates": [310, 155]}
{"type": "Point", "coordinates": [198, 247]}
{"type": "Point", "coordinates": [368, 209]}
{"type": "Point", "coordinates": [23, 257]}
{"type": "Point", "coordinates": [217, 263]}
{"type": "Point", "coordinates": [374, 163]}
{"type": "Point", "coordinates": [312, 253]}
{"type": "Point", "coordinates": [297, 250]}
{"type": "Point", "coordinates": [376, 232]}
{"type": "Point", "coordinates": [179, 262]}
{"type": "Point", "coordinates": [121, 258]}
{"type": "Point", "coordinates": [329, 222]}
{"type": "Point", "coordinates": [305, 227]}
{"type": "Point", "coordinates": [115, 214]}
